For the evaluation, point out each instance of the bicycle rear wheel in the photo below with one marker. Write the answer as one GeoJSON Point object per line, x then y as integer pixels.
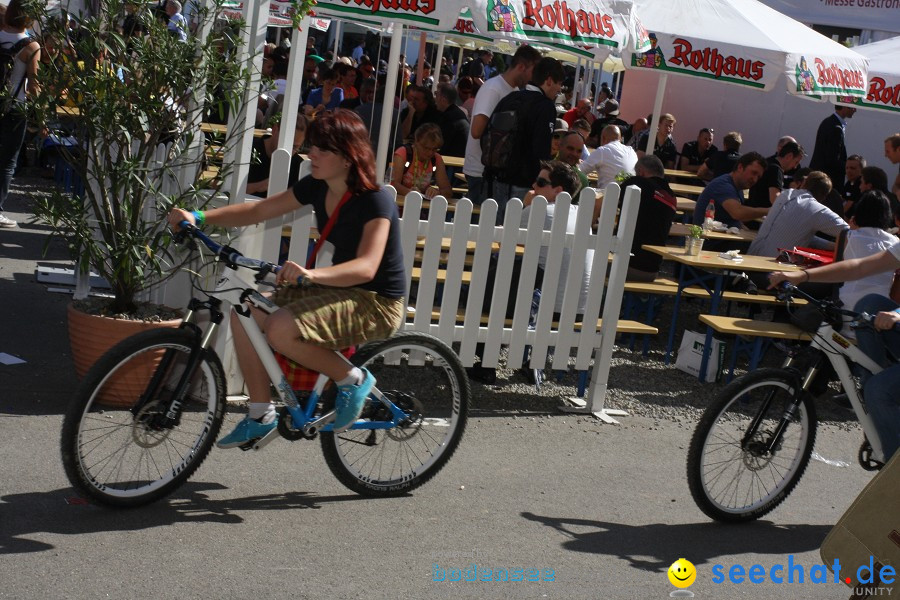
{"type": "Point", "coordinates": [121, 450]}
{"type": "Point", "coordinates": [732, 475]}
{"type": "Point", "coordinates": [424, 377]}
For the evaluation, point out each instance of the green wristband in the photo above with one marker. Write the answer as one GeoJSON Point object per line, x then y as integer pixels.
{"type": "Point", "coordinates": [199, 217]}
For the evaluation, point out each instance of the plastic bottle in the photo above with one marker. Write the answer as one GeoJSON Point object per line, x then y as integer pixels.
{"type": "Point", "coordinates": [710, 216]}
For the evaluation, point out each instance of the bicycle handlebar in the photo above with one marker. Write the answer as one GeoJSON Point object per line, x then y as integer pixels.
{"type": "Point", "coordinates": [786, 291]}
{"type": "Point", "coordinates": [232, 257]}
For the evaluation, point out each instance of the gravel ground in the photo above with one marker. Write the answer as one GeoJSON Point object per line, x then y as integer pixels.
{"type": "Point", "coordinates": [641, 385]}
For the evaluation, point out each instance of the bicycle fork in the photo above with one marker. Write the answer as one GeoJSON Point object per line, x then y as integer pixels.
{"type": "Point", "coordinates": [788, 415]}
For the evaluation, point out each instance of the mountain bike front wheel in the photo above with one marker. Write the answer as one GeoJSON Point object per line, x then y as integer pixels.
{"type": "Point", "coordinates": [751, 446]}
{"type": "Point", "coordinates": [118, 445]}
{"type": "Point", "coordinates": [422, 376]}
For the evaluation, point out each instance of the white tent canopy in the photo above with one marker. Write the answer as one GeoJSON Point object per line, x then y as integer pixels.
{"type": "Point", "coordinates": [746, 43]}
{"type": "Point", "coordinates": [884, 77]}
{"type": "Point", "coordinates": [742, 42]}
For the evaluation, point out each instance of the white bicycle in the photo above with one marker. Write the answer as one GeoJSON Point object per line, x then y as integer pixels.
{"type": "Point", "coordinates": [755, 439]}
{"type": "Point", "coordinates": [147, 413]}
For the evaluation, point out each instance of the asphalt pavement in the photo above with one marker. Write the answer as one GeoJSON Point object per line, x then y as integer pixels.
{"type": "Point", "coordinates": [571, 507]}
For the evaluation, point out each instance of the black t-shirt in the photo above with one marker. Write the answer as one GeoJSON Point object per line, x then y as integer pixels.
{"type": "Point", "coordinates": [389, 280]}
{"type": "Point", "coordinates": [691, 152]}
{"type": "Point", "coordinates": [261, 164]}
{"type": "Point", "coordinates": [722, 162]}
{"type": "Point", "coordinates": [430, 115]}
{"type": "Point", "coordinates": [655, 215]}
{"type": "Point", "coordinates": [773, 177]}
{"type": "Point", "coordinates": [455, 131]}
{"type": "Point", "coordinates": [667, 153]}
{"type": "Point", "coordinates": [851, 194]}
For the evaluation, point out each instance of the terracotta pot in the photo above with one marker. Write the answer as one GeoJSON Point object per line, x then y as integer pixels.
{"type": "Point", "coordinates": [90, 336]}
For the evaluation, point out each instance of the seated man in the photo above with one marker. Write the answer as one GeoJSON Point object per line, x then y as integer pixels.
{"type": "Point", "coordinates": [261, 162]}
{"type": "Point", "coordinates": [880, 390]}
{"type": "Point", "coordinates": [664, 146]}
{"type": "Point", "coordinates": [772, 182]}
{"type": "Point", "coordinates": [723, 161]}
{"type": "Point", "coordinates": [571, 147]}
{"type": "Point", "coordinates": [694, 154]}
{"type": "Point", "coordinates": [726, 193]}
{"type": "Point", "coordinates": [655, 215]}
{"type": "Point", "coordinates": [610, 158]}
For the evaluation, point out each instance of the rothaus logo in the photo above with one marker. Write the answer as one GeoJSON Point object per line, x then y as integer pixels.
{"type": "Point", "coordinates": [880, 92]}
{"type": "Point", "coordinates": [834, 76]}
{"type": "Point", "coordinates": [711, 61]}
{"type": "Point", "coordinates": [414, 6]}
{"type": "Point", "coordinates": [464, 26]}
{"type": "Point", "coordinates": [559, 16]}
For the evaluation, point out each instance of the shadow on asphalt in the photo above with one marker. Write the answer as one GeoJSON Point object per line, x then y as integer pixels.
{"type": "Point", "coordinates": [63, 512]}
{"type": "Point", "coordinates": [651, 547]}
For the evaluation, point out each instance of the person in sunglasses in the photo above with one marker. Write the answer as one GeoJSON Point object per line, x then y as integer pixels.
{"type": "Point", "coordinates": [359, 298]}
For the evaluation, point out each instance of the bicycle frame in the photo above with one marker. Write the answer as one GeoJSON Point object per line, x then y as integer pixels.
{"type": "Point", "coordinates": [240, 296]}
{"type": "Point", "coordinates": [839, 350]}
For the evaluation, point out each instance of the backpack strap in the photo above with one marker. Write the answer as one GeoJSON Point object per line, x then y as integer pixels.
{"type": "Point", "coordinates": [14, 51]}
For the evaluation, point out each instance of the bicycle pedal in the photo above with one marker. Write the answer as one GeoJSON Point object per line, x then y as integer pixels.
{"type": "Point", "coordinates": [260, 443]}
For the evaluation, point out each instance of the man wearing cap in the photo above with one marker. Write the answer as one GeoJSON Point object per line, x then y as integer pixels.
{"type": "Point", "coordinates": [610, 117]}
{"type": "Point", "coordinates": [611, 158]}
{"type": "Point", "coordinates": [694, 154]}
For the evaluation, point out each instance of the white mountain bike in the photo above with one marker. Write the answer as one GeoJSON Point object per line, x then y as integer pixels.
{"type": "Point", "coordinates": [755, 439]}
{"type": "Point", "coordinates": [147, 413]}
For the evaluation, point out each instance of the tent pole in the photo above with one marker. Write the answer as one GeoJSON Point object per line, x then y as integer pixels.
{"type": "Point", "coordinates": [575, 87]}
{"type": "Point", "coordinates": [385, 137]}
{"type": "Point", "coordinates": [420, 60]}
{"type": "Point", "coordinates": [337, 37]}
{"type": "Point", "coordinates": [436, 65]}
{"type": "Point", "coordinates": [459, 64]}
{"type": "Point", "coordinates": [657, 109]}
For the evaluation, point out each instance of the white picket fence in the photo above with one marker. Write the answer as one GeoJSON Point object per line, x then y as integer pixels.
{"type": "Point", "coordinates": [439, 276]}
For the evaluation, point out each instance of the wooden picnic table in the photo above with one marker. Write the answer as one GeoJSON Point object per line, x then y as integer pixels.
{"type": "Point", "coordinates": [453, 161]}
{"type": "Point", "coordinates": [744, 235]}
{"type": "Point", "coordinates": [686, 189]}
{"type": "Point", "coordinates": [679, 174]}
{"type": "Point", "coordinates": [220, 129]}
{"type": "Point", "coordinates": [708, 270]}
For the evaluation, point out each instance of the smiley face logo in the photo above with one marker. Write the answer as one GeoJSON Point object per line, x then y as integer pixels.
{"type": "Point", "coordinates": [682, 573]}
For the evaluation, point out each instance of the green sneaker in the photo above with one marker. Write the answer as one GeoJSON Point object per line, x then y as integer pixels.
{"type": "Point", "coordinates": [350, 402]}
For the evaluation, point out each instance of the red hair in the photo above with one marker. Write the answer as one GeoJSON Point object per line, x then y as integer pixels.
{"type": "Point", "coordinates": [344, 132]}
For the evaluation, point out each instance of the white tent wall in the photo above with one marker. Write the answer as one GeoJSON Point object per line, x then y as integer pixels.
{"type": "Point", "coordinates": [760, 117]}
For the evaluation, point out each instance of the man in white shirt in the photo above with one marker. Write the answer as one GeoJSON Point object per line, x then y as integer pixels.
{"type": "Point", "coordinates": [611, 158]}
{"type": "Point", "coordinates": [491, 93]}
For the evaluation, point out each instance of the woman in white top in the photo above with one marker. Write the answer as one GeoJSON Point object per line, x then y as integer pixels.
{"type": "Point", "coordinates": [868, 235]}
{"type": "Point", "coordinates": [23, 80]}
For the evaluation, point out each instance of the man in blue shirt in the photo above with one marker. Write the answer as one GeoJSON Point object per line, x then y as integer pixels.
{"type": "Point", "coordinates": [726, 193]}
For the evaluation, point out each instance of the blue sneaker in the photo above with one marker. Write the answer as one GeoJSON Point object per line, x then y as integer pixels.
{"type": "Point", "coordinates": [246, 431]}
{"type": "Point", "coordinates": [350, 402]}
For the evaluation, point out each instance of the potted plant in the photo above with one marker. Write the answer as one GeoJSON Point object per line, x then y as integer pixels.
{"type": "Point", "coordinates": [136, 99]}
{"type": "Point", "coordinates": [693, 244]}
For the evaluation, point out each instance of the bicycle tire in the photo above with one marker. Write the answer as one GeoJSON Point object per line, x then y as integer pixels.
{"type": "Point", "coordinates": [373, 462]}
{"type": "Point", "coordinates": [100, 441]}
{"type": "Point", "coordinates": [736, 482]}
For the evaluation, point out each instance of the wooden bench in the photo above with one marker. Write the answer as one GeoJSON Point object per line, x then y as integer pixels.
{"type": "Point", "coordinates": [760, 333]}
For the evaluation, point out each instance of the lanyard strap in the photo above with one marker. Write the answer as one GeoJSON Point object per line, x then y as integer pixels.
{"type": "Point", "coordinates": [323, 235]}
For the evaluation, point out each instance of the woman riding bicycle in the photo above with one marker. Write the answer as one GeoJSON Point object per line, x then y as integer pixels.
{"type": "Point", "coordinates": [357, 299]}
{"type": "Point", "coordinates": [879, 391]}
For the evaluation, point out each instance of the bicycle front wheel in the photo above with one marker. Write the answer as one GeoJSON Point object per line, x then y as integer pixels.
{"type": "Point", "coordinates": [734, 471]}
{"type": "Point", "coordinates": [423, 376]}
{"type": "Point", "coordinates": [118, 445]}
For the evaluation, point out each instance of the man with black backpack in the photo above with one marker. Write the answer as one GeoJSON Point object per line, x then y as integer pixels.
{"type": "Point", "coordinates": [19, 56]}
{"type": "Point", "coordinates": [527, 118]}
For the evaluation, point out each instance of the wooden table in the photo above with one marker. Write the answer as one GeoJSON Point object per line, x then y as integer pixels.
{"type": "Point", "coordinates": [453, 161]}
{"type": "Point", "coordinates": [679, 174]}
{"type": "Point", "coordinates": [744, 235]}
{"type": "Point", "coordinates": [220, 129]}
{"type": "Point", "coordinates": [68, 111]}
{"type": "Point", "coordinates": [708, 270]}
{"type": "Point", "coordinates": [686, 189]}
{"type": "Point", "coordinates": [426, 205]}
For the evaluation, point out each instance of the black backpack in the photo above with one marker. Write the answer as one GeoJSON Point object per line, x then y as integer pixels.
{"type": "Point", "coordinates": [8, 55]}
{"type": "Point", "coordinates": [498, 142]}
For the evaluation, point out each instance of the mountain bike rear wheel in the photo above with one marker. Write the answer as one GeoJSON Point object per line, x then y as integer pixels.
{"type": "Point", "coordinates": [122, 450]}
{"type": "Point", "coordinates": [732, 473]}
{"type": "Point", "coordinates": [424, 377]}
